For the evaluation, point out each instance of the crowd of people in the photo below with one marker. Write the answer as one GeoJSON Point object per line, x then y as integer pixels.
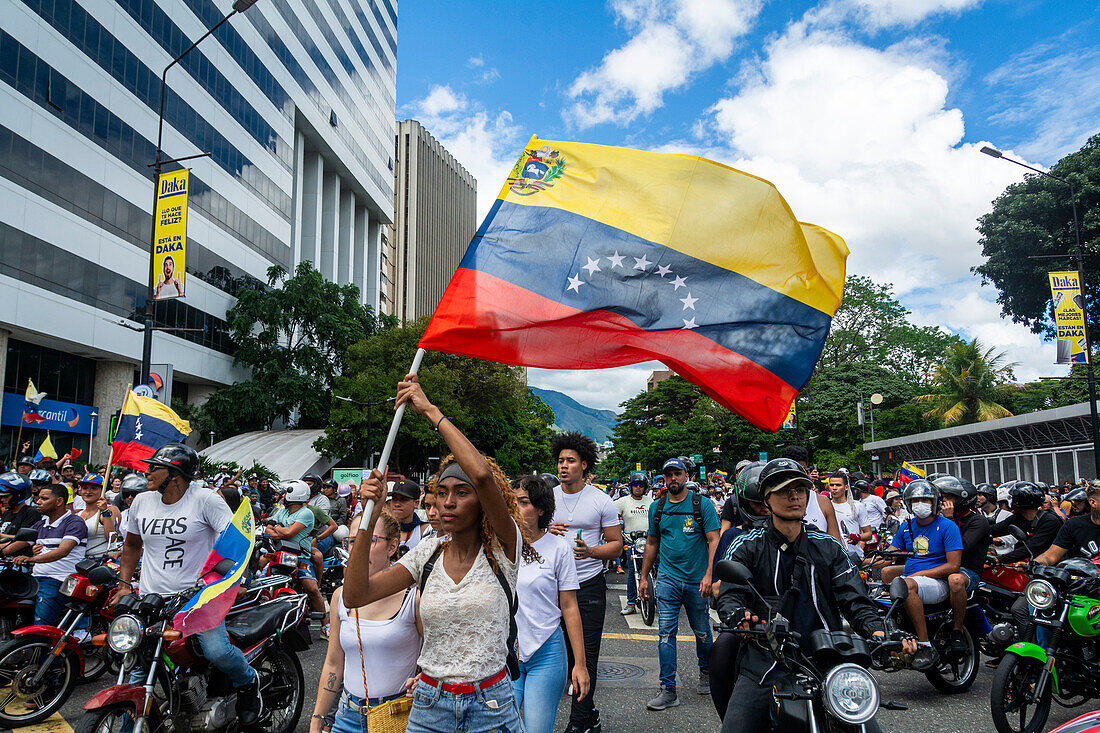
{"type": "Point", "coordinates": [477, 601]}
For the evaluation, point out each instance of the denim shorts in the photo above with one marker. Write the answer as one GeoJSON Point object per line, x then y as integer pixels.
{"type": "Point", "coordinates": [305, 570]}
{"type": "Point", "coordinates": [491, 709]}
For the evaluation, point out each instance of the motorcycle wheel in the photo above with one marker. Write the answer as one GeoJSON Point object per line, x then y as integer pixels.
{"type": "Point", "coordinates": [1014, 676]}
{"type": "Point", "coordinates": [110, 719]}
{"type": "Point", "coordinates": [20, 660]}
{"type": "Point", "coordinates": [282, 685]}
{"type": "Point", "coordinates": [96, 658]}
{"type": "Point", "coordinates": [952, 675]}
{"type": "Point", "coordinates": [649, 603]}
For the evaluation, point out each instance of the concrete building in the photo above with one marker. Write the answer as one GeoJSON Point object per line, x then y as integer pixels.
{"type": "Point", "coordinates": [294, 99]}
{"type": "Point", "coordinates": [1046, 445]}
{"type": "Point", "coordinates": [435, 216]}
{"type": "Point", "coordinates": [656, 378]}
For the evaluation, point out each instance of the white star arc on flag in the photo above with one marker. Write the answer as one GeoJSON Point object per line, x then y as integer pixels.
{"type": "Point", "coordinates": [663, 270]}
{"type": "Point", "coordinates": [689, 323]}
{"type": "Point", "coordinates": [641, 263]}
{"type": "Point", "coordinates": [593, 266]}
{"type": "Point", "coordinates": [679, 282]}
{"type": "Point", "coordinates": [616, 259]}
{"type": "Point", "coordinates": [689, 302]}
{"type": "Point", "coordinates": [575, 283]}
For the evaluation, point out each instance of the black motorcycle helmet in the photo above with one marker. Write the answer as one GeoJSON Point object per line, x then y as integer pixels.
{"type": "Point", "coordinates": [778, 472]}
{"type": "Point", "coordinates": [747, 488]}
{"type": "Point", "coordinates": [1078, 494]}
{"type": "Point", "coordinates": [550, 479]}
{"type": "Point", "coordinates": [1025, 495]}
{"type": "Point", "coordinates": [133, 485]}
{"type": "Point", "coordinates": [986, 489]}
{"type": "Point", "coordinates": [177, 458]}
{"type": "Point", "coordinates": [861, 487]}
{"type": "Point", "coordinates": [921, 489]}
{"type": "Point", "coordinates": [931, 478]}
{"type": "Point", "coordinates": [25, 461]}
{"type": "Point", "coordinates": [314, 482]}
{"type": "Point", "coordinates": [332, 484]}
{"type": "Point", "coordinates": [964, 493]}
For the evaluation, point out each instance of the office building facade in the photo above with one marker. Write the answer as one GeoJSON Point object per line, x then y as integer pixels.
{"type": "Point", "coordinates": [435, 216]}
{"type": "Point", "coordinates": [293, 100]}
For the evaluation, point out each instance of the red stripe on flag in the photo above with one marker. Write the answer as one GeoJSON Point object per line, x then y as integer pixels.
{"type": "Point", "coordinates": [131, 455]}
{"type": "Point", "coordinates": [489, 318]}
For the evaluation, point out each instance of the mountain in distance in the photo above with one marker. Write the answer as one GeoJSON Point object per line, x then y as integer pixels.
{"type": "Point", "coordinates": [572, 415]}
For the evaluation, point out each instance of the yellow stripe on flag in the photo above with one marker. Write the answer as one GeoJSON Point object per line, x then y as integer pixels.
{"type": "Point", "coordinates": [673, 200]}
{"type": "Point", "coordinates": [135, 405]}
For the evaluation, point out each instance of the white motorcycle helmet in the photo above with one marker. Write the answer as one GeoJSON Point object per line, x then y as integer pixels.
{"type": "Point", "coordinates": [297, 492]}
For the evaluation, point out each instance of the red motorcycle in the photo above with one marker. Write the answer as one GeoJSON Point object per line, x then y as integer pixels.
{"type": "Point", "coordinates": [180, 691]}
{"type": "Point", "coordinates": [41, 665]}
{"type": "Point", "coordinates": [18, 589]}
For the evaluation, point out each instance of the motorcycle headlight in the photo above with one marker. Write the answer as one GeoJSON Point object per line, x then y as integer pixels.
{"type": "Point", "coordinates": [1041, 594]}
{"type": "Point", "coordinates": [851, 694]}
{"type": "Point", "coordinates": [124, 634]}
{"type": "Point", "coordinates": [68, 586]}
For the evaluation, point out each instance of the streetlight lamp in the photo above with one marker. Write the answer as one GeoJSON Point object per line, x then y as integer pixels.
{"type": "Point", "coordinates": [239, 6]}
{"type": "Point", "coordinates": [1080, 257]}
{"type": "Point", "coordinates": [91, 432]}
{"type": "Point", "coordinates": [370, 421]}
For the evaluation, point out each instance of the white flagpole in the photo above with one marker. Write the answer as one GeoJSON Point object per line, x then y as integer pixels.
{"type": "Point", "coordinates": [384, 459]}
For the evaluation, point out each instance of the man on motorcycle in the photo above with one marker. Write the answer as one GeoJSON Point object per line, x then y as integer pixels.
{"type": "Point", "coordinates": [958, 500]}
{"type": "Point", "coordinates": [634, 512]}
{"type": "Point", "coordinates": [295, 524]}
{"type": "Point", "coordinates": [316, 498]}
{"type": "Point", "coordinates": [1041, 527]}
{"type": "Point", "coordinates": [1078, 501]}
{"type": "Point", "coordinates": [1079, 536]}
{"type": "Point", "coordinates": [937, 548]}
{"type": "Point", "coordinates": [171, 529]}
{"type": "Point", "coordinates": [874, 508]}
{"type": "Point", "coordinates": [17, 514]}
{"type": "Point", "coordinates": [810, 574]}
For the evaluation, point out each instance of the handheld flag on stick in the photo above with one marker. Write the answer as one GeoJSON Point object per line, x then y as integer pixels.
{"type": "Point", "coordinates": [208, 607]}
{"type": "Point", "coordinates": [909, 472]}
{"type": "Point", "coordinates": [144, 425]}
{"type": "Point", "coordinates": [46, 450]}
{"type": "Point", "coordinates": [594, 256]}
{"type": "Point", "coordinates": [33, 396]}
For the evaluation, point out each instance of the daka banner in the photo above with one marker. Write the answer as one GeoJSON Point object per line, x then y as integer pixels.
{"type": "Point", "coordinates": [1069, 317]}
{"type": "Point", "coordinates": [790, 422]}
{"type": "Point", "coordinates": [170, 240]}
{"type": "Point", "coordinates": [595, 256]}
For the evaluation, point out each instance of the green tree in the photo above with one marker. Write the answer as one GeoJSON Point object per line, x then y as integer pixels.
{"type": "Point", "coordinates": [490, 402]}
{"type": "Point", "coordinates": [293, 337]}
{"type": "Point", "coordinates": [1035, 217]}
{"type": "Point", "coordinates": [969, 385]}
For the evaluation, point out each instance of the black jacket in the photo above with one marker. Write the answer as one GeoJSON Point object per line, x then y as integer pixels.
{"type": "Point", "coordinates": [974, 528]}
{"type": "Point", "coordinates": [832, 578]}
{"type": "Point", "coordinates": [1040, 532]}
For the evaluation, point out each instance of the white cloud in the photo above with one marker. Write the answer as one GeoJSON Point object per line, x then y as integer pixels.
{"type": "Point", "coordinates": [475, 61]}
{"type": "Point", "coordinates": [603, 389]}
{"type": "Point", "coordinates": [485, 142]}
{"type": "Point", "coordinates": [670, 42]}
{"type": "Point", "coordinates": [879, 14]}
{"type": "Point", "coordinates": [1054, 87]}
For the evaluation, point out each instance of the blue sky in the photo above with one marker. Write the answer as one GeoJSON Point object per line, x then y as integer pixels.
{"type": "Point", "coordinates": [866, 114]}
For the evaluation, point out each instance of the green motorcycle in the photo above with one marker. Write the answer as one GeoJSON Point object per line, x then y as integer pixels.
{"type": "Point", "coordinates": [1064, 666]}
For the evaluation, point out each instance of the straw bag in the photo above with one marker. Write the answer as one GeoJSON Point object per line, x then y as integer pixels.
{"type": "Point", "coordinates": [389, 717]}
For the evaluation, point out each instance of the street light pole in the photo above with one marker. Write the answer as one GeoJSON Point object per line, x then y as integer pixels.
{"type": "Point", "coordinates": [239, 6]}
{"type": "Point", "coordinates": [1079, 255]}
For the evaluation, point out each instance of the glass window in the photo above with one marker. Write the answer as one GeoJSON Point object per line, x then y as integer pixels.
{"type": "Point", "coordinates": [1064, 467]}
{"type": "Point", "coordinates": [979, 471]}
{"type": "Point", "coordinates": [1027, 467]}
{"type": "Point", "coordinates": [1045, 467]}
{"type": "Point", "coordinates": [1085, 464]}
{"type": "Point", "coordinates": [994, 467]}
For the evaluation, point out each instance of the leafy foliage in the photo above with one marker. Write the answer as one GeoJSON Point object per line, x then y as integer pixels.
{"type": "Point", "coordinates": [1035, 217]}
{"type": "Point", "coordinates": [969, 385]}
{"type": "Point", "coordinates": [490, 402]}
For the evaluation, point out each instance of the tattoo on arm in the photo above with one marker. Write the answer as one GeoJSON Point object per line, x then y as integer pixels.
{"type": "Point", "coordinates": [332, 685]}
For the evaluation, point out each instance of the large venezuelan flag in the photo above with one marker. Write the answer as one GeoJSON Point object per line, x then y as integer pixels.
{"type": "Point", "coordinates": [208, 607]}
{"type": "Point", "coordinates": [144, 425]}
{"type": "Point", "coordinates": [595, 256]}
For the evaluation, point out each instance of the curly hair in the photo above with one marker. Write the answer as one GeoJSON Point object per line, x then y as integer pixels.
{"type": "Point", "coordinates": [582, 444]}
{"type": "Point", "coordinates": [488, 537]}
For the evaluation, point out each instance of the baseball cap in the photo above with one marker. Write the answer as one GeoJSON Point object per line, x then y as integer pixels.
{"type": "Point", "coordinates": [405, 489]}
{"type": "Point", "coordinates": [673, 463]}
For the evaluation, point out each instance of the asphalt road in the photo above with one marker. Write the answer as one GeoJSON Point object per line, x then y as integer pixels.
{"type": "Point", "coordinates": [629, 674]}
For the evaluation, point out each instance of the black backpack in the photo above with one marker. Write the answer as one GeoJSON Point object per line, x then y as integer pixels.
{"type": "Point", "coordinates": [696, 511]}
{"type": "Point", "coordinates": [513, 660]}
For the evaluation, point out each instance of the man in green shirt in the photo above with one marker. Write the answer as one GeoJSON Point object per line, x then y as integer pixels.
{"type": "Point", "coordinates": [684, 529]}
{"type": "Point", "coordinates": [296, 523]}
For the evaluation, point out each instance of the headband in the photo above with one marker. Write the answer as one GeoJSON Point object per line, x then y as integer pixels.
{"type": "Point", "coordinates": [455, 471]}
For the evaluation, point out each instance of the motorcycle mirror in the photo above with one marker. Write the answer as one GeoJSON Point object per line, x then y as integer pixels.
{"type": "Point", "coordinates": [102, 575]}
{"type": "Point", "coordinates": [223, 567]}
{"type": "Point", "coordinates": [1018, 533]}
{"type": "Point", "coordinates": [899, 590]}
{"type": "Point", "coordinates": [731, 571]}
{"type": "Point", "coordinates": [26, 535]}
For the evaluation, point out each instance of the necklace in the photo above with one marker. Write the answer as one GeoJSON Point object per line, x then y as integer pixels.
{"type": "Point", "coordinates": [573, 508]}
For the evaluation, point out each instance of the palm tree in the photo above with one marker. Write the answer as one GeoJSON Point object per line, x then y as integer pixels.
{"type": "Point", "coordinates": [969, 384]}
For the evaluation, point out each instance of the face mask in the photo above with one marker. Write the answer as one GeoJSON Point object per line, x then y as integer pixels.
{"type": "Point", "coordinates": [922, 510]}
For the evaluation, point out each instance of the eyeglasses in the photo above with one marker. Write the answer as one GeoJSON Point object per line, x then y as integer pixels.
{"type": "Point", "coordinates": [791, 493]}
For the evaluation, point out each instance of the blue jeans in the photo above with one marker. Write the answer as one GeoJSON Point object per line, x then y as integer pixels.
{"type": "Point", "coordinates": [631, 582]}
{"type": "Point", "coordinates": [221, 654]}
{"type": "Point", "coordinates": [49, 604]}
{"type": "Point", "coordinates": [671, 594]}
{"type": "Point", "coordinates": [482, 711]}
{"type": "Point", "coordinates": [326, 544]}
{"type": "Point", "coordinates": [541, 683]}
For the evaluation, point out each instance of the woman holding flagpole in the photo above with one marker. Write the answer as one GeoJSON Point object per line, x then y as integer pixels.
{"type": "Point", "coordinates": [467, 584]}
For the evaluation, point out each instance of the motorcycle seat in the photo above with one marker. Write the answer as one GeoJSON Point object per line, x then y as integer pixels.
{"type": "Point", "coordinates": [249, 627]}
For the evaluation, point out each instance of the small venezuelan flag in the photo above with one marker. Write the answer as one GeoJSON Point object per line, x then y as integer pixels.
{"type": "Point", "coordinates": [208, 607]}
{"type": "Point", "coordinates": [909, 472]}
{"type": "Point", "coordinates": [144, 425]}
{"type": "Point", "coordinates": [595, 256]}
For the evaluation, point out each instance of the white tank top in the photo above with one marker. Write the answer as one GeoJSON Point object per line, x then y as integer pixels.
{"type": "Point", "coordinates": [97, 540]}
{"type": "Point", "coordinates": [394, 640]}
{"type": "Point", "coordinates": [814, 515]}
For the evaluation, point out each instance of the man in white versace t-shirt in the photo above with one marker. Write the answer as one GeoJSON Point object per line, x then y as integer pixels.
{"type": "Point", "coordinates": [171, 528]}
{"type": "Point", "coordinates": [582, 513]}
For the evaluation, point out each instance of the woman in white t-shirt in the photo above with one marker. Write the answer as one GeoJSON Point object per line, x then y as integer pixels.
{"type": "Point", "coordinates": [547, 590]}
{"type": "Point", "coordinates": [388, 630]}
{"type": "Point", "coordinates": [464, 608]}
